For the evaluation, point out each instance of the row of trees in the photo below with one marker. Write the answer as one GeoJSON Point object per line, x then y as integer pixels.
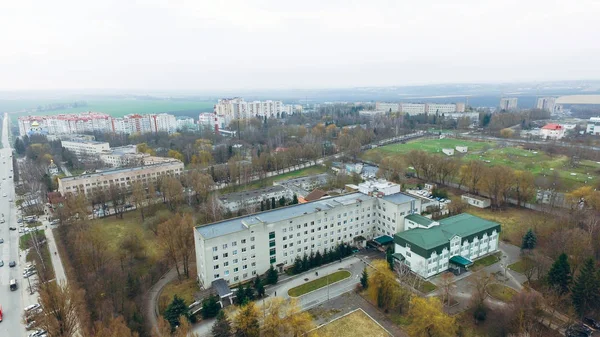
{"type": "Point", "coordinates": [313, 260]}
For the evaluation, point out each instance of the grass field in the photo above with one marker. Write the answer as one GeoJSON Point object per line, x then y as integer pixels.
{"type": "Point", "coordinates": [318, 283]}
{"type": "Point", "coordinates": [484, 262]}
{"type": "Point", "coordinates": [518, 266]}
{"type": "Point", "coordinates": [426, 287]}
{"type": "Point", "coordinates": [115, 107]}
{"type": "Point", "coordinates": [501, 292]}
{"type": "Point", "coordinates": [184, 289]}
{"type": "Point", "coordinates": [428, 145]}
{"type": "Point", "coordinates": [515, 221]}
{"type": "Point", "coordinates": [355, 324]}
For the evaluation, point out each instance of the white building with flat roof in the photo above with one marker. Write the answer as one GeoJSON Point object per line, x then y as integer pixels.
{"type": "Point", "coordinates": [412, 108]}
{"type": "Point", "coordinates": [387, 107]}
{"type": "Point", "coordinates": [236, 201]}
{"type": "Point", "coordinates": [378, 187]}
{"type": "Point", "coordinates": [90, 183]}
{"type": "Point", "coordinates": [83, 148]}
{"type": "Point", "coordinates": [593, 126]}
{"type": "Point", "coordinates": [236, 250]}
{"type": "Point", "coordinates": [439, 108]}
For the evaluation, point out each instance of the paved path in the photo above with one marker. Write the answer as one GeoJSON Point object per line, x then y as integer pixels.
{"type": "Point", "coordinates": [151, 298]}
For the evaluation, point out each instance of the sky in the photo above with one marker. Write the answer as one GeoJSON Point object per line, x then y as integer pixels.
{"type": "Point", "coordinates": [223, 45]}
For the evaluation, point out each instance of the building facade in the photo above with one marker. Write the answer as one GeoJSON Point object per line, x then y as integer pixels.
{"type": "Point", "coordinates": [546, 103]}
{"type": "Point", "coordinates": [387, 107]}
{"type": "Point", "coordinates": [237, 250]}
{"type": "Point", "coordinates": [552, 131]}
{"type": "Point", "coordinates": [430, 247]}
{"type": "Point", "coordinates": [234, 202]}
{"type": "Point", "coordinates": [82, 148]}
{"type": "Point", "coordinates": [593, 126]}
{"type": "Point", "coordinates": [89, 183]}
{"type": "Point", "coordinates": [412, 108]}
{"type": "Point", "coordinates": [437, 108]}
{"type": "Point", "coordinates": [508, 103]}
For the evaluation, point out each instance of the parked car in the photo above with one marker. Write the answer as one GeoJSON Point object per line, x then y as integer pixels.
{"type": "Point", "coordinates": [1, 263]}
{"type": "Point", "coordinates": [32, 307]}
{"type": "Point", "coordinates": [592, 323]}
{"type": "Point", "coordinates": [29, 325]}
{"type": "Point", "coordinates": [1, 240]}
{"type": "Point", "coordinates": [12, 264]}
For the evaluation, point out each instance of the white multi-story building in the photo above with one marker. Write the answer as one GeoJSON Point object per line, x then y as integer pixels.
{"type": "Point", "coordinates": [228, 109]}
{"type": "Point", "coordinates": [460, 107]}
{"type": "Point", "coordinates": [430, 247]}
{"type": "Point", "coordinates": [387, 107]}
{"type": "Point", "coordinates": [185, 123]}
{"type": "Point", "coordinates": [96, 122]}
{"type": "Point", "coordinates": [82, 148]}
{"type": "Point", "coordinates": [238, 249]}
{"type": "Point", "coordinates": [593, 126]}
{"type": "Point", "coordinates": [412, 108]}
{"type": "Point", "coordinates": [508, 103]}
{"type": "Point", "coordinates": [89, 183]}
{"type": "Point", "coordinates": [546, 103]}
{"type": "Point", "coordinates": [433, 108]}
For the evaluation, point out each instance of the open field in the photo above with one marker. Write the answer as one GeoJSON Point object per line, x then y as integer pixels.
{"type": "Point", "coordinates": [113, 230]}
{"type": "Point", "coordinates": [318, 283]}
{"type": "Point", "coordinates": [518, 266]}
{"type": "Point", "coordinates": [501, 292]}
{"type": "Point", "coordinates": [317, 169]}
{"type": "Point", "coordinates": [354, 324]}
{"type": "Point", "coordinates": [537, 162]}
{"type": "Point", "coordinates": [114, 107]}
{"type": "Point", "coordinates": [515, 221]}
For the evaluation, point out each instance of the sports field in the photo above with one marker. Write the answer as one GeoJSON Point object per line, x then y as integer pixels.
{"type": "Point", "coordinates": [354, 324]}
{"type": "Point", "coordinates": [537, 162]}
{"type": "Point", "coordinates": [114, 107]}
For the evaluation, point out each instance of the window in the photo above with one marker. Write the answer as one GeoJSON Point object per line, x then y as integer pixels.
{"type": "Point", "coordinates": [244, 267]}
{"type": "Point", "coordinates": [215, 258]}
{"type": "Point", "coordinates": [225, 255]}
{"type": "Point", "coordinates": [234, 243]}
{"type": "Point", "coordinates": [272, 235]}
{"type": "Point", "coordinates": [216, 266]}
{"type": "Point", "coordinates": [408, 254]}
{"type": "Point", "coordinates": [252, 239]}
{"type": "Point", "coordinates": [252, 247]}
{"type": "Point", "coordinates": [272, 251]}
{"type": "Point", "coordinates": [226, 273]}
{"type": "Point", "coordinates": [214, 249]}
{"type": "Point", "coordinates": [236, 278]}
{"type": "Point", "coordinates": [272, 260]}
{"type": "Point", "coordinates": [236, 269]}
{"type": "Point", "coordinates": [235, 252]}
{"type": "Point", "coordinates": [216, 276]}
{"type": "Point", "coordinates": [224, 246]}
{"type": "Point", "coordinates": [235, 260]}
{"type": "Point", "coordinates": [243, 241]}
{"type": "Point", "coordinates": [225, 264]}
{"type": "Point", "coordinates": [272, 244]}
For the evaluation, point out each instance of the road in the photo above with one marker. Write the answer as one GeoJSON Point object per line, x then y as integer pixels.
{"type": "Point", "coordinates": [11, 301]}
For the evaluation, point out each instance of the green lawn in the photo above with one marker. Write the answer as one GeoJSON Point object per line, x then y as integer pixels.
{"type": "Point", "coordinates": [426, 287]}
{"type": "Point", "coordinates": [115, 106]}
{"type": "Point", "coordinates": [484, 262]}
{"type": "Point", "coordinates": [32, 256]}
{"type": "Point", "coordinates": [501, 292]}
{"type": "Point", "coordinates": [24, 239]}
{"type": "Point", "coordinates": [184, 289]}
{"type": "Point", "coordinates": [317, 169]}
{"type": "Point", "coordinates": [430, 145]}
{"type": "Point", "coordinates": [318, 283]}
{"type": "Point", "coordinates": [114, 229]}
{"type": "Point", "coordinates": [518, 266]}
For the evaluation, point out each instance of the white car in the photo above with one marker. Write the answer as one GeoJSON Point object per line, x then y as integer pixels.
{"type": "Point", "coordinates": [32, 307]}
{"type": "Point", "coordinates": [4, 195]}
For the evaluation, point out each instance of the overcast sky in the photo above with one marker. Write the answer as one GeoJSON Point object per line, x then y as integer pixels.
{"type": "Point", "coordinates": [215, 45]}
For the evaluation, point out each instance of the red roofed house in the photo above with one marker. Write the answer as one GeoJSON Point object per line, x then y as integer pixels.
{"type": "Point", "coordinates": [552, 131]}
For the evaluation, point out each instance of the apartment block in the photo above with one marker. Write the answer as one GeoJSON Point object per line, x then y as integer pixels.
{"type": "Point", "coordinates": [89, 183]}
{"type": "Point", "coordinates": [546, 103]}
{"type": "Point", "coordinates": [234, 202]}
{"type": "Point", "coordinates": [593, 126]}
{"type": "Point", "coordinates": [82, 148]}
{"type": "Point", "coordinates": [437, 108]}
{"type": "Point", "coordinates": [508, 103]}
{"type": "Point", "coordinates": [412, 108]}
{"type": "Point", "coordinates": [238, 249]}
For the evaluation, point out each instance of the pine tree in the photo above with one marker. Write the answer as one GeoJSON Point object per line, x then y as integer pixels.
{"type": "Point", "coordinates": [295, 199]}
{"type": "Point", "coordinates": [262, 206]}
{"type": "Point", "coordinates": [222, 326]}
{"type": "Point", "coordinates": [559, 275]}
{"type": "Point", "coordinates": [364, 279]}
{"type": "Point", "coordinates": [318, 259]}
{"type": "Point", "coordinates": [298, 265]}
{"type": "Point", "coordinates": [176, 309]}
{"type": "Point", "coordinates": [259, 287]}
{"type": "Point", "coordinates": [249, 293]}
{"type": "Point", "coordinates": [305, 263]}
{"type": "Point", "coordinates": [273, 206]}
{"type": "Point", "coordinates": [282, 201]}
{"type": "Point", "coordinates": [529, 240]}
{"type": "Point", "coordinates": [272, 275]}
{"type": "Point", "coordinates": [240, 294]}
{"type": "Point", "coordinates": [390, 258]}
{"type": "Point", "coordinates": [585, 294]}
{"type": "Point", "coordinates": [210, 307]}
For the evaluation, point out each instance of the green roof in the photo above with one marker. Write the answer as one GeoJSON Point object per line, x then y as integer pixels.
{"type": "Point", "coordinates": [384, 240]}
{"type": "Point", "coordinates": [461, 261]}
{"type": "Point", "coordinates": [421, 220]}
{"type": "Point", "coordinates": [425, 241]}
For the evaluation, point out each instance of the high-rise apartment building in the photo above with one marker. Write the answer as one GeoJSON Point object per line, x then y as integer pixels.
{"type": "Point", "coordinates": [508, 103]}
{"type": "Point", "coordinates": [546, 103]}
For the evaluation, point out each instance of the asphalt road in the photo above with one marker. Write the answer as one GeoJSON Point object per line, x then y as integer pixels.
{"type": "Point", "coordinates": [11, 301]}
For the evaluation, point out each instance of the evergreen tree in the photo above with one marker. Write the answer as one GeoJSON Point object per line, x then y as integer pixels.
{"type": "Point", "coordinates": [305, 263]}
{"type": "Point", "coordinates": [273, 206]}
{"type": "Point", "coordinates": [176, 309]}
{"type": "Point", "coordinates": [559, 275]}
{"type": "Point", "coordinates": [390, 258]}
{"type": "Point", "coordinates": [262, 205]}
{"type": "Point", "coordinates": [318, 259]}
{"type": "Point", "coordinates": [585, 294]}
{"type": "Point", "coordinates": [222, 326]}
{"type": "Point", "coordinates": [249, 293]}
{"type": "Point", "coordinates": [364, 279]}
{"type": "Point", "coordinates": [259, 287]}
{"type": "Point", "coordinates": [210, 307]}
{"type": "Point", "coordinates": [529, 240]}
{"type": "Point", "coordinates": [311, 260]}
{"type": "Point", "coordinates": [326, 256]}
{"type": "Point", "coordinates": [240, 294]}
{"type": "Point", "coordinates": [298, 265]}
{"type": "Point", "coordinates": [295, 199]}
{"type": "Point", "coordinates": [282, 201]}
{"type": "Point", "coordinates": [272, 275]}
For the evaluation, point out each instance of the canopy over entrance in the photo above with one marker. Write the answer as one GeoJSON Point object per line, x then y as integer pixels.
{"type": "Point", "coordinates": [461, 261]}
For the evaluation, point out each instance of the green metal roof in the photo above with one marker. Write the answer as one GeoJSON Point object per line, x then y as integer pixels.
{"type": "Point", "coordinates": [461, 261]}
{"type": "Point", "coordinates": [421, 220]}
{"type": "Point", "coordinates": [425, 241]}
{"type": "Point", "coordinates": [384, 240]}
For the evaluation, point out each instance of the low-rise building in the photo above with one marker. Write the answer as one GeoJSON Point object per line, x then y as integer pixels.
{"type": "Point", "coordinates": [432, 247]}
{"type": "Point", "coordinates": [238, 249]}
{"type": "Point", "coordinates": [448, 152]}
{"type": "Point", "coordinates": [552, 131]}
{"type": "Point", "coordinates": [387, 107]}
{"type": "Point", "coordinates": [122, 178]}
{"type": "Point", "coordinates": [476, 201]}
{"type": "Point", "coordinates": [378, 187]}
{"type": "Point", "coordinates": [593, 126]}
{"type": "Point", "coordinates": [236, 201]}
{"type": "Point", "coordinates": [85, 148]}
{"type": "Point", "coordinates": [462, 149]}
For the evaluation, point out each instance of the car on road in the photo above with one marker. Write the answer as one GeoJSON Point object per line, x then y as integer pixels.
{"type": "Point", "coordinates": [19, 220]}
{"type": "Point", "coordinates": [1, 240]}
{"type": "Point", "coordinates": [12, 228]}
{"type": "Point", "coordinates": [12, 264]}
{"type": "Point", "coordinates": [1, 263]}
{"type": "Point", "coordinates": [592, 323]}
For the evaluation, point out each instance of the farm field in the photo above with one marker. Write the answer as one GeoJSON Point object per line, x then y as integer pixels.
{"type": "Point", "coordinates": [114, 107]}
{"type": "Point", "coordinates": [536, 162]}
{"type": "Point", "coordinates": [354, 324]}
